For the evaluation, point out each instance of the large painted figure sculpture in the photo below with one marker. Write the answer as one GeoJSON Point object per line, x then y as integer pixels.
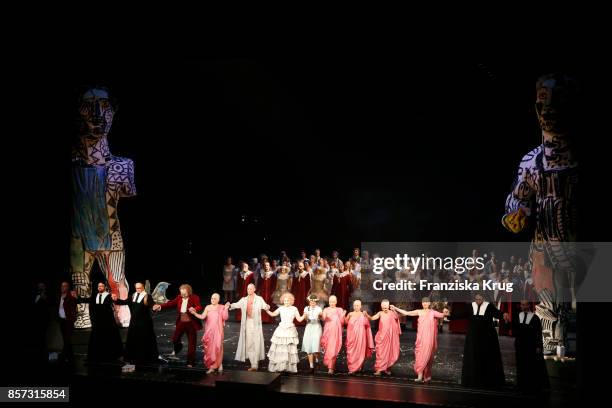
{"type": "Point", "coordinates": [99, 180]}
{"type": "Point", "coordinates": [544, 193]}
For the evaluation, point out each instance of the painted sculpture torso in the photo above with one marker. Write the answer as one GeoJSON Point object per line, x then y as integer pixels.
{"type": "Point", "coordinates": [545, 192]}
{"type": "Point", "coordinates": [99, 180]}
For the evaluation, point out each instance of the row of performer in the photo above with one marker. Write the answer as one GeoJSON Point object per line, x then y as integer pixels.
{"type": "Point", "coordinates": [482, 363]}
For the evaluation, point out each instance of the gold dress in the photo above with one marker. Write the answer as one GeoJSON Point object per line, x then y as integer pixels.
{"type": "Point", "coordinates": [318, 288]}
{"type": "Point", "coordinates": [283, 284]}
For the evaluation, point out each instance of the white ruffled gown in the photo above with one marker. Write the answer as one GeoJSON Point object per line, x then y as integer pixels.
{"type": "Point", "coordinates": [283, 353]}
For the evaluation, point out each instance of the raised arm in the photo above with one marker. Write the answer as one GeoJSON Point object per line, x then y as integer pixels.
{"type": "Point", "coordinates": [347, 318]}
{"type": "Point", "coordinates": [118, 301]}
{"type": "Point", "coordinates": [519, 201]}
{"type": "Point", "coordinates": [404, 312]}
{"type": "Point", "coordinates": [498, 314]}
{"type": "Point", "coordinates": [196, 300]}
{"type": "Point", "coordinates": [375, 317]}
{"type": "Point", "coordinates": [202, 315]}
{"type": "Point", "coordinates": [439, 315]}
{"type": "Point", "coordinates": [274, 313]}
{"type": "Point", "coordinates": [83, 300]}
{"type": "Point", "coordinates": [236, 305]}
{"type": "Point", "coordinates": [169, 304]}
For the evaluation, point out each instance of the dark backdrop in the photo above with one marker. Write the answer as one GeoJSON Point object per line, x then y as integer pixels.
{"type": "Point", "coordinates": [239, 156]}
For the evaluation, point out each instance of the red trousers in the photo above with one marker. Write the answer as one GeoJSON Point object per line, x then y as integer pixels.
{"type": "Point", "coordinates": [185, 328]}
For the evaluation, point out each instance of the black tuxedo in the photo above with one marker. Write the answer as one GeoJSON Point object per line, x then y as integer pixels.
{"type": "Point", "coordinates": [141, 344]}
{"type": "Point", "coordinates": [105, 341]}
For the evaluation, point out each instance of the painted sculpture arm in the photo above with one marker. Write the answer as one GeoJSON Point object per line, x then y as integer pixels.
{"type": "Point", "coordinates": [520, 200]}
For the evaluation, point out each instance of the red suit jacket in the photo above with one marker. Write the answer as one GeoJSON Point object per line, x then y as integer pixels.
{"type": "Point", "coordinates": [193, 301]}
{"type": "Point", "coordinates": [70, 306]}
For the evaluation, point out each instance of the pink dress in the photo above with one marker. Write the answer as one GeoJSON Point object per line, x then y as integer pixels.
{"type": "Point", "coordinates": [359, 342]}
{"type": "Point", "coordinates": [387, 341]}
{"type": "Point", "coordinates": [212, 340]}
{"type": "Point", "coordinates": [426, 342]}
{"type": "Point", "coordinates": [331, 340]}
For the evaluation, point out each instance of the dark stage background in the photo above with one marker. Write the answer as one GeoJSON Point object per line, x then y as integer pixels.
{"type": "Point", "coordinates": [324, 150]}
{"type": "Point", "coordinates": [309, 152]}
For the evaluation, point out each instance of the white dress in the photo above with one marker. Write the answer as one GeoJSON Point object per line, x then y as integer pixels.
{"type": "Point", "coordinates": [311, 343]}
{"type": "Point", "coordinates": [283, 353]}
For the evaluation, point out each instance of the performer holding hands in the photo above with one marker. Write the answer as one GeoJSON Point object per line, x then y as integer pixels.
{"type": "Point", "coordinates": [251, 340]}
{"type": "Point", "coordinates": [283, 353]}
{"type": "Point", "coordinates": [359, 340]}
{"type": "Point", "coordinates": [427, 337]}
{"type": "Point", "coordinates": [331, 341]}
{"type": "Point", "coordinates": [311, 343]}
{"type": "Point", "coordinates": [387, 338]}
{"type": "Point", "coordinates": [212, 340]}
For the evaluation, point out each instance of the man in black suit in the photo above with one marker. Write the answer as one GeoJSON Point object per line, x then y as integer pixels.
{"type": "Point", "coordinates": [141, 344]}
{"type": "Point", "coordinates": [105, 341]}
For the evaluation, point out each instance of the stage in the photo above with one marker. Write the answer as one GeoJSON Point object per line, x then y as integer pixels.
{"type": "Point", "coordinates": [173, 377]}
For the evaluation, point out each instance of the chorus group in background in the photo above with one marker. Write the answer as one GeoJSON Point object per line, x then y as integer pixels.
{"type": "Point", "coordinates": [324, 295]}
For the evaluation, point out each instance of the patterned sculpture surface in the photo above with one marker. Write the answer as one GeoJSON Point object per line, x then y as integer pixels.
{"type": "Point", "coordinates": [99, 180]}
{"type": "Point", "coordinates": [544, 192]}
{"type": "Point", "coordinates": [159, 293]}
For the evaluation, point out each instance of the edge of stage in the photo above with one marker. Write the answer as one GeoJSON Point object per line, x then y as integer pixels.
{"type": "Point", "coordinates": [173, 380]}
{"type": "Point", "coordinates": [176, 382]}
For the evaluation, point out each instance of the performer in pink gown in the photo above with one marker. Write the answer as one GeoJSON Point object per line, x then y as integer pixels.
{"type": "Point", "coordinates": [387, 339]}
{"type": "Point", "coordinates": [212, 340]}
{"type": "Point", "coordinates": [359, 340]}
{"type": "Point", "coordinates": [427, 337]}
{"type": "Point", "coordinates": [331, 340]}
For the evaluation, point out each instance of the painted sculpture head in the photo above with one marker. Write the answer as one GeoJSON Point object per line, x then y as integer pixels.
{"type": "Point", "coordinates": [555, 101]}
{"type": "Point", "coordinates": [97, 112]}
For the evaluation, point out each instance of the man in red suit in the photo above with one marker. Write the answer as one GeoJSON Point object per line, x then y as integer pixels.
{"type": "Point", "coordinates": [186, 323]}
